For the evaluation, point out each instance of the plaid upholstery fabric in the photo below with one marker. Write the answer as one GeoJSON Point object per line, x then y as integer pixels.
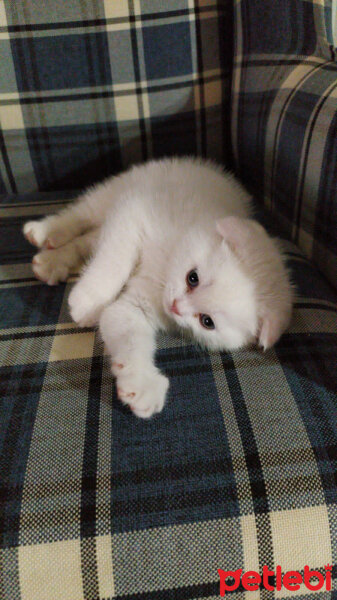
{"type": "Point", "coordinates": [238, 471]}
{"type": "Point", "coordinates": [89, 86]}
{"type": "Point", "coordinates": [330, 10]}
{"type": "Point", "coordinates": [284, 118]}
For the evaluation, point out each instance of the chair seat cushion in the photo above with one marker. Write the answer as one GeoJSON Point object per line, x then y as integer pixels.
{"type": "Point", "coordinates": [239, 471]}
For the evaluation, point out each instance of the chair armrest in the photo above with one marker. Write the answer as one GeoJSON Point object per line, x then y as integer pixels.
{"type": "Point", "coordinates": [284, 119]}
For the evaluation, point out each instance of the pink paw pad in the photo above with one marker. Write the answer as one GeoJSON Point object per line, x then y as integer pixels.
{"type": "Point", "coordinates": [123, 394]}
{"type": "Point", "coordinates": [118, 365]}
{"type": "Point", "coordinates": [49, 245]}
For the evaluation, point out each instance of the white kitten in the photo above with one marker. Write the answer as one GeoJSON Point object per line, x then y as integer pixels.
{"type": "Point", "coordinates": [172, 243]}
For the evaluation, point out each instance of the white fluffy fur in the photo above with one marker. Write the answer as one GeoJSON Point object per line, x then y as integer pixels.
{"type": "Point", "coordinates": [146, 229]}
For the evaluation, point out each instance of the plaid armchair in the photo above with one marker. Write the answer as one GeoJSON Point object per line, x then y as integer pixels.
{"type": "Point", "coordinates": [240, 469]}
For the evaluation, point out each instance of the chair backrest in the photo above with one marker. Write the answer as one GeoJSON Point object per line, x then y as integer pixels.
{"type": "Point", "coordinates": [88, 87]}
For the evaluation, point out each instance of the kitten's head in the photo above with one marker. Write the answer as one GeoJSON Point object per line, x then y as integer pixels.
{"type": "Point", "coordinates": [230, 287]}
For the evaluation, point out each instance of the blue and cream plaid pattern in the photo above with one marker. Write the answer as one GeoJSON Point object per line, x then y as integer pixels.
{"type": "Point", "coordinates": [284, 118]}
{"type": "Point", "coordinates": [240, 469]}
{"type": "Point", "coordinates": [89, 86]}
{"type": "Point", "coordinates": [237, 472]}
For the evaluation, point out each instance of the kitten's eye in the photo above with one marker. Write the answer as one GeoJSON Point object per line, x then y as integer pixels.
{"type": "Point", "coordinates": [206, 322]}
{"type": "Point", "coordinates": [192, 279]}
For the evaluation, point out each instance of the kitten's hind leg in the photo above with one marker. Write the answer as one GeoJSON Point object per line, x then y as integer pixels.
{"type": "Point", "coordinates": [88, 212]}
{"type": "Point", "coordinates": [53, 266]}
{"type": "Point", "coordinates": [55, 230]}
{"type": "Point", "coordinates": [129, 338]}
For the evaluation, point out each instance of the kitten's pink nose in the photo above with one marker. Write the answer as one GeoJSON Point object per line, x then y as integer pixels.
{"type": "Point", "coordinates": [174, 308]}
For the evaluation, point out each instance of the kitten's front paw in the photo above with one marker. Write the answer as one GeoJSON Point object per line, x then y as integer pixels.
{"type": "Point", "coordinates": [84, 308]}
{"type": "Point", "coordinates": [143, 392]}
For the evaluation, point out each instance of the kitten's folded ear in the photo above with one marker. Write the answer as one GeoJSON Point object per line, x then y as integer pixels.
{"type": "Point", "coordinates": [249, 240]}
{"type": "Point", "coordinates": [273, 324]}
{"type": "Point", "coordinates": [235, 230]}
